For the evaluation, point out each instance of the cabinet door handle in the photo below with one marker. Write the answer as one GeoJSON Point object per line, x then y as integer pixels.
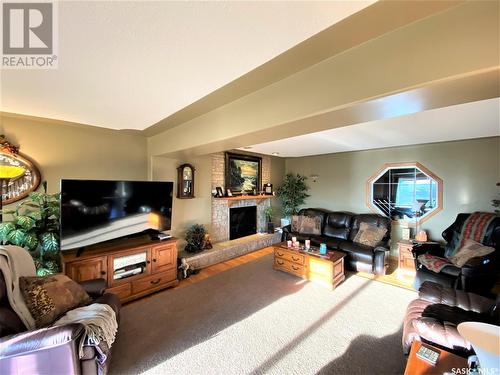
{"type": "Point", "coordinates": [148, 261]}
{"type": "Point", "coordinates": [155, 281]}
{"type": "Point", "coordinates": [278, 254]}
{"type": "Point", "coordinates": [295, 268]}
{"type": "Point", "coordinates": [295, 259]}
{"type": "Point", "coordinates": [103, 272]}
{"type": "Point", "coordinates": [154, 260]}
{"type": "Point", "coordinates": [280, 262]}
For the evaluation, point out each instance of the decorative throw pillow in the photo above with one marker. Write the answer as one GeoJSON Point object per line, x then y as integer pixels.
{"type": "Point", "coordinates": [470, 250]}
{"type": "Point", "coordinates": [310, 225]}
{"type": "Point", "coordinates": [49, 297]}
{"type": "Point", "coordinates": [296, 220]}
{"type": "Point", "coordinates": [369, 235]}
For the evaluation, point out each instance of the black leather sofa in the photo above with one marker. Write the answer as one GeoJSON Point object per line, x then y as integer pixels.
{"type": "Point", "coordinates": [478, 275]}
{"type": "Point", "coordinates": [338, 230]}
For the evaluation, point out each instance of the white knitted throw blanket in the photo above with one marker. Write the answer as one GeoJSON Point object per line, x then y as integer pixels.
{"type": "Point", "coordinates": [16, 262]}
{"type": "Point", "coordinates": [99, 321]}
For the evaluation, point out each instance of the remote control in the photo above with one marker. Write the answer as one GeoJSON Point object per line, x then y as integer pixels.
{"type": "Point", "coordinates": [428, 355]}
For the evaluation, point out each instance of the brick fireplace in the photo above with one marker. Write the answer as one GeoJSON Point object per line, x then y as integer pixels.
{"type": "Point", "coordinates": [220, 226]}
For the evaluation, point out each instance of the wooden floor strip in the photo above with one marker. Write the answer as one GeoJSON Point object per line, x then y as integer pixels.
{"type": "Point", "coordinates": [393, 276]}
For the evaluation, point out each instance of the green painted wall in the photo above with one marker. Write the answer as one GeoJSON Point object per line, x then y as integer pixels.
{"type": "Point", "coordinates": [469, 169]}
{"type": "Point", "coordinates": [68, 150]}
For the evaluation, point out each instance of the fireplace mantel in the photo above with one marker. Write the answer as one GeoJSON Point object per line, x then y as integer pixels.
{"type": "Point", "coordinates": [243, 197]}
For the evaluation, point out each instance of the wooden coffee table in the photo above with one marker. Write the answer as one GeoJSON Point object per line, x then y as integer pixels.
{"type": "Point", "coordinates": [326, 269]}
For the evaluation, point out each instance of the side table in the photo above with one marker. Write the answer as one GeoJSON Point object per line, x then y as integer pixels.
{"type": "Point", "coordinates": [447, 362]}
{"type": "Point", "coordinates": [406, 263]}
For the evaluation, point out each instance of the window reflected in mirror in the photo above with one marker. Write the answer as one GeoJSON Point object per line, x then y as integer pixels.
{"type": "Point", "coordinates": [406, 191]}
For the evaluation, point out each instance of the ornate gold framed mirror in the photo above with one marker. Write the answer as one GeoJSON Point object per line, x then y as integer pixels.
{"type": "Point", "coordinates": [19, 176]}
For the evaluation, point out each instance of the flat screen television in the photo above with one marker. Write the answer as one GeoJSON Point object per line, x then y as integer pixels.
{"type": "Point", "coordinates": [94, 211]}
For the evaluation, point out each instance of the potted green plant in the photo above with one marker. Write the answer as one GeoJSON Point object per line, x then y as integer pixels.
{"type": "Point", "coordinates": [292, 194]}
{"type": "Point", "coordinates": [269, 218]}
{"type": "Point", "coordinates": [35, 226]}
{"type": "Point", "coordinates": [195, 238]}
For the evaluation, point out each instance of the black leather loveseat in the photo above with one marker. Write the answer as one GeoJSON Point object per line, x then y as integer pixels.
{"type": "Point", "coordinates": [338, 229]}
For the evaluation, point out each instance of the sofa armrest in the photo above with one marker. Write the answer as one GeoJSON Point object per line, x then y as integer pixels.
{"type": "Point", "coordinates": [427, 248]}
{"type": "Point", "coordinates": [381, 248]}
{"type": "Point", "coordinates": [44, 338]}
{"type": "Point", "coordinates": [287, 229]}
{"type": "Point", "coordinates": [486, 261]}
{"type": "Point", "coordinates": [95, 288]}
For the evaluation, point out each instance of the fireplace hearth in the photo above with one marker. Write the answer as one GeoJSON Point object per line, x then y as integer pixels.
{"type": "Point", "coordinates": [242, 221]}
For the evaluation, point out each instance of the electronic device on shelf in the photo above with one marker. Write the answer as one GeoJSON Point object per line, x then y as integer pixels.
{"type": "Point", "coordinates": [129, 265]}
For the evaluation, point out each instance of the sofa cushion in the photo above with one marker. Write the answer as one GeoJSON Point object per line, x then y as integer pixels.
{"type": "Point", "coordinates": [369, 235]}
{"type": "Point", "coordinates": [373, 219]}
{"type": "Point", "coordinates": [49, 297]}
{"type": "Point", "coordinates": [340, 233]}
{"type": "Point", "coordinates": [310, 225]}
{"type": "Point", "coordinates": [295, 223]}
{"type": "Point", "coordinates": [312, 212]}
{"type": "Point", "coordinates": [338, 225]}
{"type": "Point", "coordinates": [357, 252]}
{"type": "Point", "coordinates": [332, 243]}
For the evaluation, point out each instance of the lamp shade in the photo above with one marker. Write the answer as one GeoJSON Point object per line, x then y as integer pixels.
{"type": "Point", "coordinates": [10, 171]}
{"type": "Point", "coordinates": [485, 339]}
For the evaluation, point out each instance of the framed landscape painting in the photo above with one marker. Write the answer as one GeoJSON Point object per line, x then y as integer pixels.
{"type": "Point", "coordinates": [243, 173]}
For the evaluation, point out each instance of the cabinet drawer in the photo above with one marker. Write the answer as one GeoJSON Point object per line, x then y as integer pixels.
{"type": "Point", "coordinates": [287, 266]}
{"type": "Point", "coordinates": [122, 291]}
{"type": "Point", "coordinates": [290, 256]}
{"type": "Point", "coordinates": [153, 281]}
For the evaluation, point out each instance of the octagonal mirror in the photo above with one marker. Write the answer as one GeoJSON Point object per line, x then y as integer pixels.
{"type": "Point", "coordinates": [405, 191]}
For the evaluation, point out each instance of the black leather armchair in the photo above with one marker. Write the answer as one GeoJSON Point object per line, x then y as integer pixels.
{"type": "Point", "coordinates": [478, 275]}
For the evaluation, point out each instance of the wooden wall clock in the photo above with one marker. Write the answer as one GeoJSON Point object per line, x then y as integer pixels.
{"type": "Point", "coordinates": [185, 181]}
{"type": "Point", "coordinates": [17, 186]}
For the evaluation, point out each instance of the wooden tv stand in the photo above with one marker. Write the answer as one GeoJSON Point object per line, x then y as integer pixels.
{"type": "Point", "coordinates": [156, 266]}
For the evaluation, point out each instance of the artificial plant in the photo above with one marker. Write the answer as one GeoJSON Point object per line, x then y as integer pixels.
{"type": "Point", "coordinates": [35, 226]}
{"type": "Point", "coordinates": [269, 214]}
{"type": "Point", "coordinates": [195, 238]}
{"type": "Point", "coordinates": [292, 193]}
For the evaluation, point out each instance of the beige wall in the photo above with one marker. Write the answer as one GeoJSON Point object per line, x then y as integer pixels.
{"type": "Point", "coordinates": [186, 212]}
{"type": "Point", "coordinates": [67, 150]}
{"type": "Point", "coordinates": [198, 210]}
{"type": "Point", "coordinates": [469, 169]}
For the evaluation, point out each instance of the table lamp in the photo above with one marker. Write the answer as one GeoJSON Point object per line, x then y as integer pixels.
{"type": "Point", "coordinates": [7, 173]}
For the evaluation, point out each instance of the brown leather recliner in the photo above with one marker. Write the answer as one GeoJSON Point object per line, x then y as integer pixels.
{"type": "Point", "coordinates": [434, 316]}
{"type": "Point", "coordinates": [51, 350]}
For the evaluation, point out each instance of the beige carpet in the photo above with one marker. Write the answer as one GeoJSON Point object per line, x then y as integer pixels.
{"type": "Point", "coordinates": [254, 320]}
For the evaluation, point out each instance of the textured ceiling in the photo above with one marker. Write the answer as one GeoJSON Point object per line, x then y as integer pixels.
{"type": "Point", "coordinates": [127, 65]}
